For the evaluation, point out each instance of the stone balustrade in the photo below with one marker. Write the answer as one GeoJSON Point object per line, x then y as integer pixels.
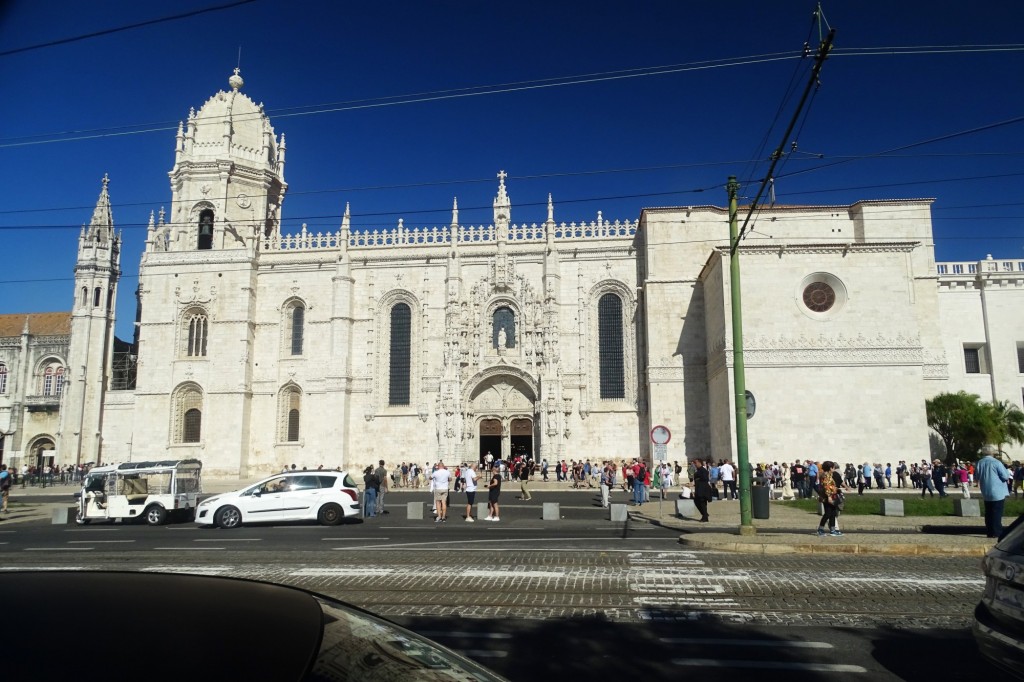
{"type": "Point", "coordinates": [467, 234]}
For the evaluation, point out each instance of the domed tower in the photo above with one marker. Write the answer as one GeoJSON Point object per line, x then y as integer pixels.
{"type": "Point", "coordinates": [198, 285]}
{"type": "Point", "coordinates": [227, 183]}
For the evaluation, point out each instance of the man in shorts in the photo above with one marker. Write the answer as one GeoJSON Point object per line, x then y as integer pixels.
{"type": "Point", "coordinates": [439, 481]}
{"type": "Point", "coordinates": [493, 492]}
{"type": "Point", "coordinates": [469, 473]}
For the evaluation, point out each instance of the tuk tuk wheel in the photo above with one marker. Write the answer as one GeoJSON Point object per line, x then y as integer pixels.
{"type": "Point", "coordinates": [81, 520]}
{"type": "Point", "coordinates": [156, 515]}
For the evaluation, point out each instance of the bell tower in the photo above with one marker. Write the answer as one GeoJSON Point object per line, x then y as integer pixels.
{"type": "Point", "coordinates": [97, 271]}
{"type": "Point", "coordinates": [227, 183]}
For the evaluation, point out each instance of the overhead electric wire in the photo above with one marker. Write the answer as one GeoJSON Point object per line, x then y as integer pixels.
{"type": "Point", "coordinates": [118, 29]}
{"type": "Point", "coordinates": [438, 95]}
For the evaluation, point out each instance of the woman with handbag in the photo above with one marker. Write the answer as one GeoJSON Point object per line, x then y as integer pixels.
{"type": "Point", "coordinates": [830, 496]}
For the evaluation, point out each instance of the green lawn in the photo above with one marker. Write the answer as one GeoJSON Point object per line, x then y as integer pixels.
{"type": "Point", "coordinates": [913, 504]}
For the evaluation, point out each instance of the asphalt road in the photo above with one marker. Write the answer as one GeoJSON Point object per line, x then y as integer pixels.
{"type": "Point", "coordinates": [534, 599]}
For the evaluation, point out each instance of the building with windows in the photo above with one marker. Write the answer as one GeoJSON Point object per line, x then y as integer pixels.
{"type": "Point", "coordinates": [258, 349]}
{"type": "Point", "coordinates": [33, 366]}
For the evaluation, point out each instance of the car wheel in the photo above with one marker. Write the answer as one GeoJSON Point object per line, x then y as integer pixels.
{"type": "Point", "coordinates": [81, 520]}
{"type": "Point", "coordinates": [155, 515]}
{"type": "Point", "coordinates": [330, 515]}
{"type": "Point", "coordinates": [228, 517]}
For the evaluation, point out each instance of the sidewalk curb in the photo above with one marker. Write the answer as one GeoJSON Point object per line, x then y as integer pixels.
{"type": "Point", "coordinates": [730, 543]}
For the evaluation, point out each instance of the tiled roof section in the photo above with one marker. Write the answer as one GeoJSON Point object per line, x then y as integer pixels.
{"type": "Point", "coordinates": [39, 324]}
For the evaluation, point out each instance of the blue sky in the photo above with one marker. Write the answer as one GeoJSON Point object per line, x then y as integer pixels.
{"type": "Point", "coordinates": [613, 145]}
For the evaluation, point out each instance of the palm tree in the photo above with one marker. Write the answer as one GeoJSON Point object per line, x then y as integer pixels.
{"type": "Point", "coordinates": [1009, 423]}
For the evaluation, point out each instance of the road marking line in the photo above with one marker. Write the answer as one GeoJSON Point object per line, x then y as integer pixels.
{"type": "Point", "coordinates": [228, 540]}
{"type": "Point", "coordinates": [200, 570]}
{"type": "Point", "coordinates": [684, 601]}
{"type": "Point", "coordinates": [472, 573]}
{"type": "Point", "coordinates": [912, 581]}
{"type": "Point", "coordinates": [58, 549]}
{"type": "Point", "coordinates": [747, 642]}
{"type": "Point", "coordinates": [96, 542]}
{"type": "Point", "coordinates": [42, 568]}
{"type": "Point", "coordinates": [772, 665]}
{"type": "Point", "coordinates": [327, 572]}
{"type": "Point", "coordinates": [193, 548]}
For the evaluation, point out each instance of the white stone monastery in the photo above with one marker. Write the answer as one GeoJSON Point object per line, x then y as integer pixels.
{"type": "Point", "coordinates": [259, 349]}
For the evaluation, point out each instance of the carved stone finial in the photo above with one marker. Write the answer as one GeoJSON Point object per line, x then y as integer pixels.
{"type": "Point", "coordinates": [236, 81]}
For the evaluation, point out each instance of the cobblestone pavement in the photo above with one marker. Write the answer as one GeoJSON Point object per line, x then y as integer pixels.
{"type": "Point", "coordinates": [619, 585]}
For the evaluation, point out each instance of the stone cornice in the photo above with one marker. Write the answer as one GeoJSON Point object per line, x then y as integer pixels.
{"type": "Point", "coordinates": [780, 249]}
{"type": "Point", "coordinates": [839, 350]}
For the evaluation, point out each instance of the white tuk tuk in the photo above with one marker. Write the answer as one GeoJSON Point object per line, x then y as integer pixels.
{"type": "Point", "coordinates": [149, 490]}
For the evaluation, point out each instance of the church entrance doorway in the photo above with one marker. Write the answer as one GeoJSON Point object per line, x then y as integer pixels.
{"type": "Point", "coordinates": [490, 439]}
{"type": "Point", "coordinates": [521, 432]}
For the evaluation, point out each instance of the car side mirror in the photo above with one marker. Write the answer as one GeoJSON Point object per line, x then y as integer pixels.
{"type": "Point", "coordinates": [257, 492]}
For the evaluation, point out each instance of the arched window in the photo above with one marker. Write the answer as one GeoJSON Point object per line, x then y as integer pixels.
{"type": "Point", "coordinates": [188, 415]}
{"type": "Point", "coordinates": [193, 426]}
{"type": "Point", "coordinates": [205, 240]}
{"type": "Point", "coordinates": [85, 297]}
{"type": "Point", "coordinates": [504, 320]}
{"type": "Point", "coordinates": [59, 381]}
{"type": "Point", "coordinates": [3, 378]}
{"type": "Point", "coordinates": [195, 329]}
{"type": "Point", "coordinates": [611, 355]}
{"type": "Point", "coordinates": [290, 412]}
{"type": "Point", "coordinates": [96, 298]}
{"type": "Point", "coordinates": [48, 381]}
{"type": "Point", "coordinates": [298, 325]}
{"type": "Point", "coordinates": [401, 355]}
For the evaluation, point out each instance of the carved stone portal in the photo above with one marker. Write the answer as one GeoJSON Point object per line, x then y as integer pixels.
{"type": "Point", "coordinates": [508, 400]}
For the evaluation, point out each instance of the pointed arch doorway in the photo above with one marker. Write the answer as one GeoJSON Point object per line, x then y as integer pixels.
{"type": "Point", "coordinates": [503, 401]}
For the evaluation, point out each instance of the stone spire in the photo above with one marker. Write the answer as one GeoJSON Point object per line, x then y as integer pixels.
{"type": "Point", "coordinates": [453, 229]}
{"type": "Point", "coordinates": [101, 227]}
{"type": "Point", "coordinates": [502, 203]}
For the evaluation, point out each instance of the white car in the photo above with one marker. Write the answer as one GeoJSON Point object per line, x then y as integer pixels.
{"type": "Point", "coordinates": [323, 496]}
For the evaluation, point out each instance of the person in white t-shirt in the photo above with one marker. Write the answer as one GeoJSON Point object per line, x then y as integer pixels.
{"type": "Point", "coordinates": [439, 481]}
{"type": "Point", "coordinates": [469, 474]}
{"type": "Point", "coordinates": [728, 475]}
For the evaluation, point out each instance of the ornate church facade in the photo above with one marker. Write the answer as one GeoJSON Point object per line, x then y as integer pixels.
{"type": "Point", "coordinates": [259, 349]}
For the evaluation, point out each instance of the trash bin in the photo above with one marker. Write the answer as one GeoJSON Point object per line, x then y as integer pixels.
{"type": "Point", "coordinates": [759, 496]}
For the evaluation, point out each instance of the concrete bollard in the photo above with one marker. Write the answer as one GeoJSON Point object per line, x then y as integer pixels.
{"type": "Point", "coordinates": [415, 510]}
{"type": "Point", "coordinates": [63, 515]}
{"type": "Point", "coordinates": [618, 513]}
{"type": "Point", "coordinates": [551, 511]}
{"type": "Point", "coordinates": [685, 508]}
{"type": "Point", "coordinates": [892, 507]}
{"type": "Point", "coordinates": [966, 508]}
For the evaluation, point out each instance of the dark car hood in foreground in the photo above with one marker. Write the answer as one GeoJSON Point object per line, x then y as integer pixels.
{"type": "Point", "coordinates": [92, 625]}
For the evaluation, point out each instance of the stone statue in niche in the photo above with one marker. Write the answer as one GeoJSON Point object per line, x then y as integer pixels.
{"type": "Point", "coordinates": [502, 340]}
